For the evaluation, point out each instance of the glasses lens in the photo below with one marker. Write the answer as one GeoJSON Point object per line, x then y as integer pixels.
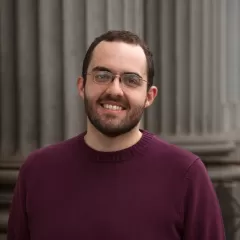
{"type": "Point", "coordinates": [103, 77]}
{"type": "Point", "coordinates": [131, 80]}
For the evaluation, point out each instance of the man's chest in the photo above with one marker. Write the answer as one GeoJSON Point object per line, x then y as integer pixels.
{"type": "Point", "coordinates": [101, 209]}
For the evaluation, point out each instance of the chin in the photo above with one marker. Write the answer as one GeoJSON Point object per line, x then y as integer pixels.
{"type": "Point", "coordinates": [111, 130]}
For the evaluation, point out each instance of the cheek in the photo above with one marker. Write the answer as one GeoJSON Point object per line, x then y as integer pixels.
{"type": "Point", "coordinates": [137, 100]}
{"type": "Point", "coordinates": [92, 93]}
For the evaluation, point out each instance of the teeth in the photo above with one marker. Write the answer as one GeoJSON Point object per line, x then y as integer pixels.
{"type": "Point", "coordinates": [112, 107]}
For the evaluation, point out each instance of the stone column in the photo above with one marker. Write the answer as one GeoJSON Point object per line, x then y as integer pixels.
{"type": "Point", "coordinates": [51, 71]}
{"type": "Point", "coordinates": [229, 190]}
{"type": "Point", "coordinates": [196, 48]}
{"type": "Point", "coordinates": [233, 62]}
{"type": "Point", "coordinates": [8, 96]}
{"type": "Point", "coordinates": [27, 76]}
{"type": "Point", "coordinates": [82, 22]}
{"type": "Point", "coordinates": [189, 46]}
{"type": "Point", "coordinates": [74, 34]}
{"type": "Point", "coordinates": [113, 14]}
{"type": "Point", "coordinates": [8, 103]}
{"type": "Point", "coordinates": [42, 47]}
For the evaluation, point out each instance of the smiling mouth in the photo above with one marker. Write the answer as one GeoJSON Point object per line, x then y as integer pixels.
{"type": "Point", "coordinates": [112, 107]}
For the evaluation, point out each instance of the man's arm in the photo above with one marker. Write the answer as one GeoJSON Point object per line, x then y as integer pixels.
{"type": "Point", "coordinates": [17, 222]}
{"type": "Point", "coordinates": [201, 209]}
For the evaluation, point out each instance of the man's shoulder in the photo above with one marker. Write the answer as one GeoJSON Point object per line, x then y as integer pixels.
{"type": "Point", "coordinates": [171, 154]}
{"type": "Point", "coordinates": [52, 153]}
{"type": "Point", "coordinates": [175, 163]}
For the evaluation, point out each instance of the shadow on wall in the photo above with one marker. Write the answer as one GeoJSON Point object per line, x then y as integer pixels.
{"type": "Point", "coordinates": [230, 210]}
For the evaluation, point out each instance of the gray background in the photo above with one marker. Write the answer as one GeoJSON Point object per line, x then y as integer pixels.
{"type": "Point", "coordinates": [196, 47]}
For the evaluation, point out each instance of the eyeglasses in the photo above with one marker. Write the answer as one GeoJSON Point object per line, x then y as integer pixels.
{"type": "Point", "coordinates": [130, 80]}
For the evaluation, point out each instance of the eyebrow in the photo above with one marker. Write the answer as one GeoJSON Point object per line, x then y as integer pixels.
{"type": "Point", "coordinates": [100, 68]}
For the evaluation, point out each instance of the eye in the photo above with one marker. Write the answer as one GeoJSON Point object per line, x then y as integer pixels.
{"type": "Point", "coordinates": [132, 80]}
{"type": "Point", "coordinates": [103, 76]}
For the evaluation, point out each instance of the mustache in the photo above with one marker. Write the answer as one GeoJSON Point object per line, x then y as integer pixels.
{"type": "Point", "coordinates": [114, 98]}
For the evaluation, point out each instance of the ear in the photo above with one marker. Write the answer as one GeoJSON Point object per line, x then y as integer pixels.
{"type": "Point", "coordinates": [151, 95]}
{"type": "Point", "coordinates": [80, 86]}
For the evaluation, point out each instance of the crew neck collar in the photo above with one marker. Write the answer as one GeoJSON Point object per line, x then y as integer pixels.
{"type": "Point", "coordinates": [137, 149]}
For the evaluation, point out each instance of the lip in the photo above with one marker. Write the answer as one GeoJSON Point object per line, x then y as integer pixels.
{"type": "Point", "coordinates": [111, 111]}
{"type": "Point", "coordinates": [113, 103]}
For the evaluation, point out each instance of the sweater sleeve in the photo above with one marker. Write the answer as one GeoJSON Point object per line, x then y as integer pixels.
{"type": "Point", "coordinates": [202, 213]}
{"type": "Point", "coordinates": [17, 222]}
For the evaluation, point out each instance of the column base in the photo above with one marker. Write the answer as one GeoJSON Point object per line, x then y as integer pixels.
{"type": "Point", "coordinates": [211, 148]}
{"type": "Point", "coordinates": [9, 168]}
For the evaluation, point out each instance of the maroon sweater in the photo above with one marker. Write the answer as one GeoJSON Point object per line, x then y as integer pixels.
{"type": "Point", "coordinates": [150, 191]}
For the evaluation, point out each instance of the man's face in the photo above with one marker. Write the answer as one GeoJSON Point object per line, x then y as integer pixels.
{"type": "Point", "coordinates": [115, 108]}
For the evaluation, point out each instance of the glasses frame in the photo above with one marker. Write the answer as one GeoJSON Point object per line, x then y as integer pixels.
{"type": "Point", "coordinates": [114, 76]}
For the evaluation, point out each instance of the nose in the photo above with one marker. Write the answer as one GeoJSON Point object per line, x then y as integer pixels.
{"type": "Point", "coordinates": [114, 88]}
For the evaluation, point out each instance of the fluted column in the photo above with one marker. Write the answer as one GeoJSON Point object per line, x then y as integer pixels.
{"type": "Point", "coordinates": [188, 39]}
{"type": "Point", "coordinates": [27, 76]}
{"type": "Point", "coordinates": [8, 93]}
{"type": "Point", "coordinates": [74, 49]}
{"type": "Point", "coordinates": [43, 44]}
{"type": "Point", "coordinates": [233, 63]}
{"type": "Point", "coordinates": [82, 22]}
{"type": "Point", "coordinates": [51, 71]}
{"type": "Point", "coordinates": [196, 49]}
{"type": "Point", "coordinates": [113, 14]}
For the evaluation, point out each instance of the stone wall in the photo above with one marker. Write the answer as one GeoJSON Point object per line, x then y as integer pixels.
{"type": "Point", "coordinates": [197, 57]}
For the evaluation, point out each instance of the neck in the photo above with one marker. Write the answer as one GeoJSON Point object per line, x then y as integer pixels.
{"type": "Point", "coordinates": [100, 142]}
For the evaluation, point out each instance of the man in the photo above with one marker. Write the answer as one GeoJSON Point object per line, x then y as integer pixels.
{"type": "Point", "coordinates": [115, 181]}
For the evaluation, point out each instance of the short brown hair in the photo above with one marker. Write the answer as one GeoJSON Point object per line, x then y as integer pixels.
{"type": "Point", "coordinates": [120, 36]}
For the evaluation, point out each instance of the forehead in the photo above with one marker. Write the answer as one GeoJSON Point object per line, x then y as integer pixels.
{"type": "Point", "coordinates": [119, 57]}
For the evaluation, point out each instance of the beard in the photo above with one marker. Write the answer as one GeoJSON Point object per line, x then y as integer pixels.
{"type": "Point", "coordinates": [108, 124]}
